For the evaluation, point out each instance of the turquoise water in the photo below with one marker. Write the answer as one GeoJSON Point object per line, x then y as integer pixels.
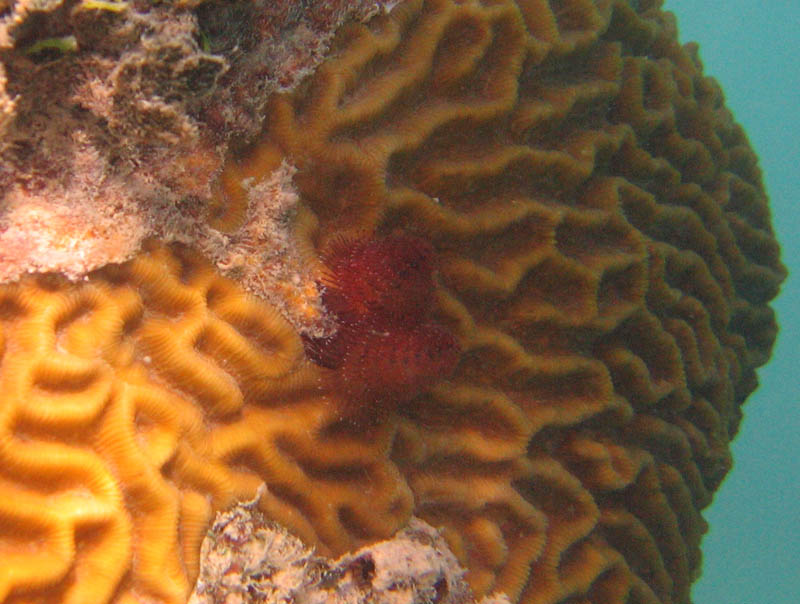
{"type": "Point", "coordinates": [752, 552]}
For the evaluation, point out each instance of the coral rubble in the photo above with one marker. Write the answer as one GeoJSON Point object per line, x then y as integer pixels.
{"type": "Point", "coordinates": [247, 558]}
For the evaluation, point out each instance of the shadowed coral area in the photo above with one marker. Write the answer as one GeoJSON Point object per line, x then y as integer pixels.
{"type": "Point", "coordinates": [605, 260]}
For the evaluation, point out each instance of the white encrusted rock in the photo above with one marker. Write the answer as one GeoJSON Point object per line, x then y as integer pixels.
{"type": "Point", "coordinates": [246, 558]}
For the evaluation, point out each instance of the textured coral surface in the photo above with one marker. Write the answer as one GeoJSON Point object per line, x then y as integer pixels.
{"type": "Point", "coordinates": [605, 260]}
{"type": "Point", "coordinates": [247, 559]}
{"type": "Point", "coordinates": [138, 403]}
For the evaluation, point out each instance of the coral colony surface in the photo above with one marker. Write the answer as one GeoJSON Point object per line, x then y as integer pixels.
{"type": "Point", "coordinates": [500, 268]}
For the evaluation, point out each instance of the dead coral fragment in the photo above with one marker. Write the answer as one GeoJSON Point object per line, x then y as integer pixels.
{"type": "Point", "coordinates": [102, 135]}
{"type": "Point", "coordinates": [247, 558]}
{"type": "Point", "coordinates": [113, 114]}
{"type": "Point", "coordinates": [261, 254]}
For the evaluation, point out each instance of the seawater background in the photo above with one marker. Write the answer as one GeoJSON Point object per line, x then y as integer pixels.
{"type": "Point", "coordinates": [752, 551]}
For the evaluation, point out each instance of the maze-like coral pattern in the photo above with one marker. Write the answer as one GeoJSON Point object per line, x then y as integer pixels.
{"type": "Point", "coordinates": [606, 260]}
{"type": "Point", "coordinates": [140, 402]}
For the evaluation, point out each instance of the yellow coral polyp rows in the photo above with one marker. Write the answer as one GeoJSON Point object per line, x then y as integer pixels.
{"type": "Point", "coordinates": [575, 171]}
{"type": "Point", "coordinates": [604, 257]}
{"type": "Point", "coordinates": [137, 404]}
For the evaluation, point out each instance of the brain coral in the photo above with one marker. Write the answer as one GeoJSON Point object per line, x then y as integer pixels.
{"type": "Point", "coordinates": [605, 259]}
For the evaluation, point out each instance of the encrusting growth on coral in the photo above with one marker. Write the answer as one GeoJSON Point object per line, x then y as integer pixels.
{"type": "Point", "coordinates": [386, 349]}
{"type": "Point", "coordinates": [257, 249]}
{"type": "Point", "coordinates": [604, 259]}
{"type": "Point", "coordinates": [246, 558]}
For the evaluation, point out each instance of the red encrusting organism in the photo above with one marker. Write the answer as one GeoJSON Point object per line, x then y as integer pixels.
{"type": "Point", "coordinates": [388, 280]}
{"type": "Point", "coordinates": [387, 348]}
